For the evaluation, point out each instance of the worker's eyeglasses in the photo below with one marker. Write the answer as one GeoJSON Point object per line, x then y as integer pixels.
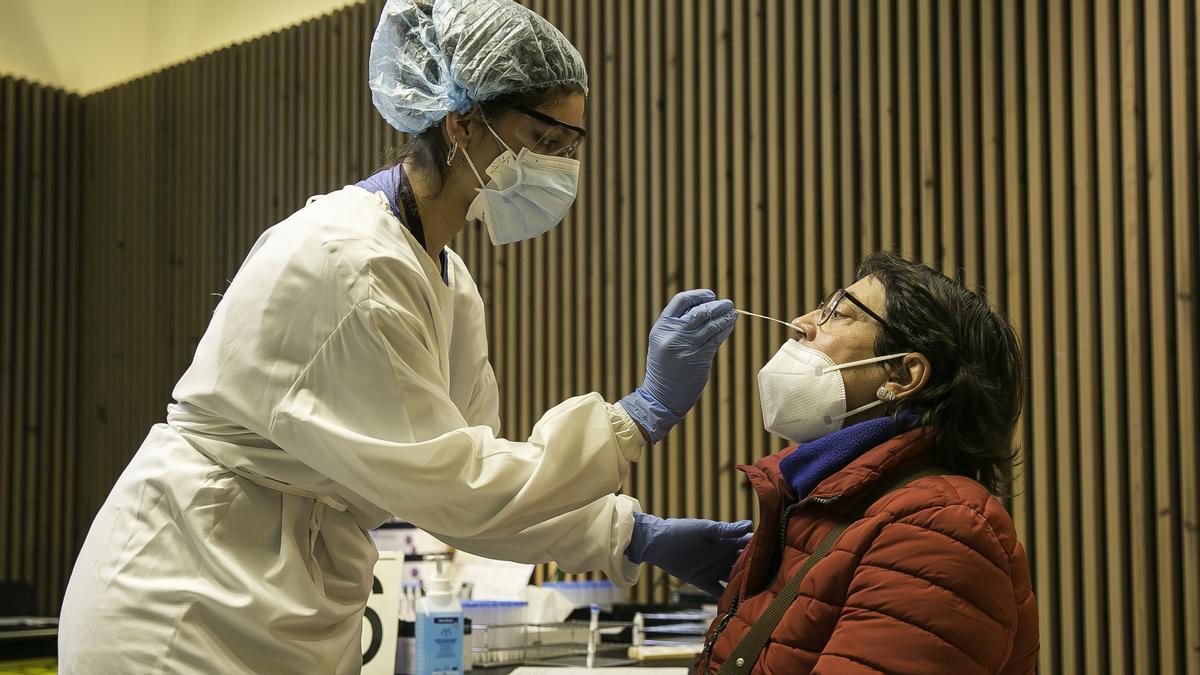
{"type": "Point", "coordinates": [829, 307]}
{"type": "Point", "coordinates": [559, 139]}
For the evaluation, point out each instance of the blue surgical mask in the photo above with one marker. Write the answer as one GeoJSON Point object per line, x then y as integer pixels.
{"type": "Point", "coordinates": [527, 194]}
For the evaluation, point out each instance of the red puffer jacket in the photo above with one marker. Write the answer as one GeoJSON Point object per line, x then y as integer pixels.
{"type": "Point", "coordinates": [932, 579]}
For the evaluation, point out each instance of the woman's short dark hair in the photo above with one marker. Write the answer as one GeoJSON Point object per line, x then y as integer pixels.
{"type": "Point", "coordinates": [974, 394]}
{"type": "Point", "coordinates": [427, 151]}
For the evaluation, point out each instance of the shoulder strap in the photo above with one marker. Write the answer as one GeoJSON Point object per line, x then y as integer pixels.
{"type": "Point", "coordinates": [745, 655]}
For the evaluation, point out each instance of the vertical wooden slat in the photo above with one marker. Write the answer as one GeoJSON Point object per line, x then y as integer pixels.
{"type": "Point", "coordinates": [725, 440]}
{"type": "Point", "coordinates": [929, 180]}
{"type": "Point", "coordinates": [1139, 445]}
{"type": "Point", "coordinates": [950, 145]}
{"type": "Point", "coordinates": [793, 292]}
{"type": "Point", "coordinates": [1063, 325]}
{"type": "Point", "coordinates": [9, 135]}
{"type": "Point", "coordinates": [777, 281]}
{"type": "Point", "coordinates": [737, 185]}
{"type": "Point", "coordinates": [50, 389]}
{"type": "Point", "coordinates": [631, 354]}
{"type": "Point", "coordinates": [53, 538]}
{"type": "Point", "coordinates": [573, 333]}
{"type": "Point", "coordinates": [1044, 545]}
{"type": "Point", "coordinates": [327, 96]}
{"type": "Point", "coordinates": [72, 390]}
{"type": "Point", "coordinates": [850, 152]}
{"type": "Point", "coordinates": [590, 250]}
{"type": "Point", "coordinates": [972, 212]}
{"type": "Point", "coordinates": [661, 88]}
{"type": "Point", "coordinates": [1089, 476]}
{"type": "Point", "coordinates": [1185, 177]}
{"type": "Point", "coordinates": [1016, 236]}
{"type": "Point", "coordinates": [579, 311]}
{"type": "Point", "coordinates": [992, 276]}
{"type": "Point", "coordinates": [611, 278]}
{"type": "Point", "coordinates": [868, 131]}
{"type": "Point", "coordinates": [17, 356]}
{"type": "Point", "coordinates": [757, 146]}
{"type": "Point", "coordinates": [47, 274]}
{"type": "Point", "coordinates": [825, 225]}
{"type": "Point", "coordinates": [1159, 264]}
{"type": "Point", "coordinates": [88, 420]}
{"type": "Point", "coordinates": [682, 252]}
{"type": "Point", "coordinates": [810, 153]}
{"type": "Point", "coordinates": [27, 441]}
{"type": "Point", "coordinates": [239, 128]}
{"type": "Point", "coordinates": [908, 174]}
{"type": "Point", "coordinates": [885, 34]}
{"type": "Point", "coordinates": [645, 226]}
{"type": "Point", "coordinates": [1115, 522]}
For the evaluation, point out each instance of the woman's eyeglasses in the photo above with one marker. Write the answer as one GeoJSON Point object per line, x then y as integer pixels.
{"type": "Point", "coordinates": [829, 306]}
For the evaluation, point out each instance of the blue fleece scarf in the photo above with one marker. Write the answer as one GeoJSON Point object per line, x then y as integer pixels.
{"type": "Point", "coordinates": [817, 460]}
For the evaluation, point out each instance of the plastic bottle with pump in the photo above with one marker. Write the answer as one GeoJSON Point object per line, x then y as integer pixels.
{"type": "Point", "coordinates": [439, 629]}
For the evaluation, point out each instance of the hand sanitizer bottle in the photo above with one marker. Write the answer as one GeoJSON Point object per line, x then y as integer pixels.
{"type": "Point", "coordinates": [439, 630]}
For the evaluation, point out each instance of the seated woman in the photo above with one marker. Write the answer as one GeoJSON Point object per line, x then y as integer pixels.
{"type": "Point", "coordinates": [902, 392]}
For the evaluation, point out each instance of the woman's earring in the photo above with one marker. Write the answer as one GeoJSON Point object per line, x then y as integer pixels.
{"type": "Point", "coordinates": [886, 394]}
{"type": "Point", "coordinates": [453, 151]}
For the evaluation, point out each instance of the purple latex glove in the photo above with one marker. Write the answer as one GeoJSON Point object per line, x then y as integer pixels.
{"type": "Point", "coordinates": [683, 342]}
{"type": "Point", "coordinates": [700, 552]}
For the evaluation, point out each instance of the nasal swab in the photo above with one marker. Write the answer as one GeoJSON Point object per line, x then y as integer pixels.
{"type": "Point", "coordinates": [760, 316]}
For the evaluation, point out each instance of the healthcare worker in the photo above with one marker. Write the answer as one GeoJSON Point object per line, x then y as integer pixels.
{"type": "Point", "coordinates": [344, 379]}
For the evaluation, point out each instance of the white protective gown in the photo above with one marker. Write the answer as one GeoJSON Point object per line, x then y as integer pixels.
{"type": "Point", "coordinates": [340, 382]}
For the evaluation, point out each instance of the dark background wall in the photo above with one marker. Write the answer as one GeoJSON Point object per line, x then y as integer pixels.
{"type": "Point", "coordinates": [1043, 151]}
{"type": "Point", "coordinates": [40, 232]}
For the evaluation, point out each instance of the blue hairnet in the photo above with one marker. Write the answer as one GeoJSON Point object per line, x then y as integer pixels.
{"type": "Point", "coordinates": [428, 59]}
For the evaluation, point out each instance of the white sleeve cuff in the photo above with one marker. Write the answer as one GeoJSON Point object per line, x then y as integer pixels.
{"type": "Point", "coordinates": [620, 570]}
{"type": "Point", "coordinates": [629, 435]}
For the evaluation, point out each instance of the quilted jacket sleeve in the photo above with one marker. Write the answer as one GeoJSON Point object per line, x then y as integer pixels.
{"type": "Point", "coordinates": [935, 586]}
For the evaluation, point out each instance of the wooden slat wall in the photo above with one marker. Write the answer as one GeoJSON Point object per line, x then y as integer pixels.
{"type": "Point", "coordinates": [1043, 151]}
{"type": "Point", "coordinates": [39, 333]}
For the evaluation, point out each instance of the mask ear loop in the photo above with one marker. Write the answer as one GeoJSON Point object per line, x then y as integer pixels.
{"type": "Point", "coordinates": [852, 413]}
{"type": "Point", "coordinates": [852, 364]}
{"type": "Point", "coordinates": [467, 156]}
{"type": "Point", "coordinates": [483, 183]}
{"type": "Point", "coordinates": [863, 362]}
{"type": "Point", "coordinates": [497, 136]}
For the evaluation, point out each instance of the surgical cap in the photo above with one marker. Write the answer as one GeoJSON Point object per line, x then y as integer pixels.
{"type": "Point", "coordinates": [428, 59]}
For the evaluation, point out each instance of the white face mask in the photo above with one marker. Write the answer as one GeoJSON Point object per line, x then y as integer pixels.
{"type": "Point", "coordinates": [528, 193]}
{"type": "Point", "coordinates": [803, 394]}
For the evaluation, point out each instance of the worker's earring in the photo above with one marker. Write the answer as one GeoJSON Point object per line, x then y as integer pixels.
{"type": "Point", "coordinates": [453, 152]}
{"type": "Point", "coordinates": [885, 394]}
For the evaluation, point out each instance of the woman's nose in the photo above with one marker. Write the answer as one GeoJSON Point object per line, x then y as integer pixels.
{"type": "Point", "coordinates": [805, 327]}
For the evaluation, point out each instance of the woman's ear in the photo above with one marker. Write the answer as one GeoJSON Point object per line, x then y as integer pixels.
{"type": "Point", "coordinates": [914, 371]}
{"type": "Point", "coordinates": [457, 127]}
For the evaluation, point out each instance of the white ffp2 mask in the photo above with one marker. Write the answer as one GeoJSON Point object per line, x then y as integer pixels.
{"type": "Point", "coordinates": [803, 394]}
{"type": "Point", "coordinates": [527, 194]}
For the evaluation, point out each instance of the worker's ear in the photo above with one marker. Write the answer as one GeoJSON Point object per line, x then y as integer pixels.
{"type": "Point", "coordinates": [459, 127]}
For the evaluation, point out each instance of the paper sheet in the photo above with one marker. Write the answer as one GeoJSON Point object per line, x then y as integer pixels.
{"type": "Point", "coordinates": [492, 579]}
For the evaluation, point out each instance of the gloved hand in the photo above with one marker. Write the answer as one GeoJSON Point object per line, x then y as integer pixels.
{"type": "Point", "coordinates": [683, 343]}
{"type": "Point", "coordinates": [700, 552]}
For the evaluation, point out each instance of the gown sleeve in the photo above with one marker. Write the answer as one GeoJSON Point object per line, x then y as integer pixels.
{"type": "Point", "coordinates": [371, 411]}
